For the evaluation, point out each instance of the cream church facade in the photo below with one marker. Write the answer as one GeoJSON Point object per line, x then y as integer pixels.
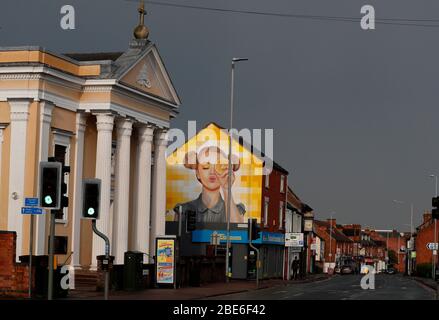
{"type": "Point", "coordinates": [104, 115]}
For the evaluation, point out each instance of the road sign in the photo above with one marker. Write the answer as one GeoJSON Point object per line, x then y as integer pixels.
{"type": "Point", "coordinates": [31, 210]}
{"type": "Point", "coordinates": [432, 246]}
{"type": "Point", "coordinates": [294, 239]}
{"type": "Point", "coordinates": [31, 202]}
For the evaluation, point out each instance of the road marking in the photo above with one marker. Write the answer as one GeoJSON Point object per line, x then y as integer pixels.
{"type": "Point", "coordinates": [282, 291]}
{"type": "Point", "coordinates": [298, 294]}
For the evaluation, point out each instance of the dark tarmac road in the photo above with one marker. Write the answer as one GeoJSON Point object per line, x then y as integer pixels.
{"type": "Point", "coordinates": [342, 287]}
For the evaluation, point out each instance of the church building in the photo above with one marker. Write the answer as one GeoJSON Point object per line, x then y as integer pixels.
{"type": "Point", "coordinates": [105, 115]}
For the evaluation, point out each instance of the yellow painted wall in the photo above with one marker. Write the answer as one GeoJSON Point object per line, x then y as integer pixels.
{"type": "Point", "coordinates": [90, 139]}
{"type": "Point", "coordinates": [5, 112]}
{"type": "Point", "coordinates": [64, 119]}
{"type": "Point", "coordinates": [4, 169]}
{"type": "Point", "coordinates": [32, 150]}
{"type": "Point", "coordinates": [27, 56]}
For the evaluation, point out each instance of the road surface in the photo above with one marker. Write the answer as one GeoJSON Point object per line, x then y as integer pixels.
{"type": "Point", "coordinates": [342, 287]}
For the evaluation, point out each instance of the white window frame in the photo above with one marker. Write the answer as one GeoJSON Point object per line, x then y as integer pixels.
{"type": "Point", "coordinates": [281, 214]}
{"type": "Point", "coordinates": [63, 138]}
{"type": "Point", "coordinates": [282, 183]}
{"type": "Point", "coordinates": [266, 207]}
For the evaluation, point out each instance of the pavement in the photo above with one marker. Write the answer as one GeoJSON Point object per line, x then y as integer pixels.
{"type": "Point", "coordinates": [428, 282]}
{"type": "Point", "coordinates": [343, 287]}
{"type": "Point", "coordinates": [207, 291]}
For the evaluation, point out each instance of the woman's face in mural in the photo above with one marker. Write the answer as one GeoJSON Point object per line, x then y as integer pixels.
{"type": "Point", "coordinates": [211, 166]}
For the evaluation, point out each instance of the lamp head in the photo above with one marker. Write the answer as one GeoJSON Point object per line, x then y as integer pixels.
{"type": "Point", "coordinates": [239, 59]}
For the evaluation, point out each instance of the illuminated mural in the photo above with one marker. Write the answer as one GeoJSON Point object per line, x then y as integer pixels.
{"type": "Point", "coordinates": [197, 179]}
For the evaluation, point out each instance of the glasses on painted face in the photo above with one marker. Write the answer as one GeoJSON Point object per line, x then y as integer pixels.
{"type": "Point", "coordinates": [220, 168]}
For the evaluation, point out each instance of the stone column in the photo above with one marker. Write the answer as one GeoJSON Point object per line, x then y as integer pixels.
{"type": "Point", "coordinates": [19, 119]}
{"type": "Point", "coordinates": [122, 192]}
{"type": "Point", "coordinates": [46, 109]}
{"type": "Point", "coordinates": [158, 204]}
{"type": "Point", "coordinates": [2, 128]}
{"type": "Point", "coordinates": [142, 214]}
{"type": "Point", "coordinates": [81, 120]}
{"type": "Point", "coordinates": [104, 125]}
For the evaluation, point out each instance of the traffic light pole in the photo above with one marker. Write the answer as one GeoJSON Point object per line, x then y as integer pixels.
{"type": "Point", "coordinates": [257, 253]}
{"type": "Point", "coordinates": [107, 257]}
{"type": "Point", "coordinates": [31, 249]}
{"type": "Point", "coordinates": [51, 249]}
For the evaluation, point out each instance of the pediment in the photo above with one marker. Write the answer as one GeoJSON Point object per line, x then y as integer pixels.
{"type": "Point", "coordinates": [148, 75]}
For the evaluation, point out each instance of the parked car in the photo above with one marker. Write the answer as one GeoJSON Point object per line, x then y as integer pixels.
{"type": "Point", "coordinates": [337, 269]}
{"type": "Point", "coordinates": [346, 269]}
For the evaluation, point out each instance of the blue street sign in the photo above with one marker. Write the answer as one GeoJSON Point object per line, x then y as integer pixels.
{"type": "Point", "coordinates": [31, 202]}
{"type": "Point", "coordinates": [31, 210]}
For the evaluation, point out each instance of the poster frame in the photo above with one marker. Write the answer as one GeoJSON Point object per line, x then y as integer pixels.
{"type": "Point", "coordinates": [174, 269]}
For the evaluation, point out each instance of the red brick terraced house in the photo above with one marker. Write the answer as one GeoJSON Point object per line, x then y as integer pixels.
{"type": "Point", "coordinates": [425, 235]}
{"type": "Point", "coordinates": [337, 244]}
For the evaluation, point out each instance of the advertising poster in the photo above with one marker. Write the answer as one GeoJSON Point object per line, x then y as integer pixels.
{"type": "Point", "coordinates": [165, 261]}
{"type": "Point", "coordinates": [197, 179]}
{"type": "Point", "coordinates": [294, 239]}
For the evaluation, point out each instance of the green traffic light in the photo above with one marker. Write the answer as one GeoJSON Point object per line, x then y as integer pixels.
{"type": "Point", "coordinates": [91, 211]}
{"type": "Point", "coordinates": [48, 200]}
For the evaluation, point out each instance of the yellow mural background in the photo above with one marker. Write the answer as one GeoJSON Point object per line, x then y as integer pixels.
{"type": "Point", "coordinates": [182, 184]}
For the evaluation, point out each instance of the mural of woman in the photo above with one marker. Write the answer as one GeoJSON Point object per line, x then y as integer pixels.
{"type": "Point", "coordinates": [211, 169]}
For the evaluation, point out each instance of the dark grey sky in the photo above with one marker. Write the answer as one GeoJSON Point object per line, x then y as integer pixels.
{"type": "Point", "coordinates": [355, 113]}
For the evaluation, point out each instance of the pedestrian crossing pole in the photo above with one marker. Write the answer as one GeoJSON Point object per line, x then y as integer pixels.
{"type": "Point", "coordinates": [51, 250]}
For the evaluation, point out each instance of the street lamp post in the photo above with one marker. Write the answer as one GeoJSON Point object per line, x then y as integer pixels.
{"type": "Point", "coordinates": [409, 265]}
{"type": "Point", "coordinates": [434, 252]}
{"type": "Point", "coordinates": [229, 180]}
{"type": "Point", "coordinates": [330, 240]}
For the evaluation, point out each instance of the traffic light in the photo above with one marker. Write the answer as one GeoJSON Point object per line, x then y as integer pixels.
{"type": "Point", "coordinates": [191, 220]}
{"type": "Point", "coordinates": [255, 229]}
{"type": "Point", "coordinates": [91, 192]}
{"type": "Point", "coordinates": [435, 210]}
{"type": "Point", "coordinates": [64, 195]}
{"type": "Point", "coordinates": [50, 185]}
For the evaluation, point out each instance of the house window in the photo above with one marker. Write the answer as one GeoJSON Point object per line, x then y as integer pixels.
{"type": "Point", "coordinates": [281, 214]}
{"type": "Point", "coordinates": [266, 212]}
{"type": "Point", "coordinates": [61, 153]}
{"type": "Point", "coordinates": [282, 183]}
{"type": "Point", "coordinates": [267, 181]}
